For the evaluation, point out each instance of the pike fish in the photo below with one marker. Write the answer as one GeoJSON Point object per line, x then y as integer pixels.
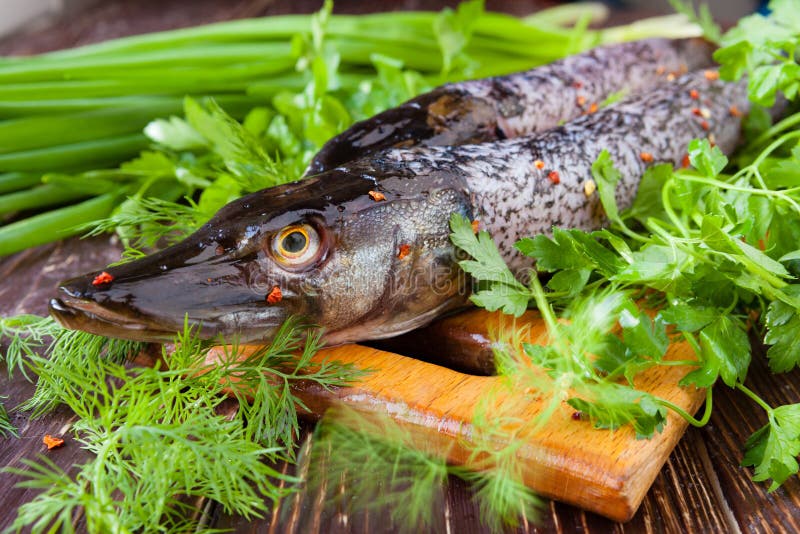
{"type": "Point", "coordinates": [361, 248]}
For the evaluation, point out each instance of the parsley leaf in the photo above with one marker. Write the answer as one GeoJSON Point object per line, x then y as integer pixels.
{"type": "Point", "coordinates": [505, 291]}
{"type": "Point", "coordinates": [611, 405]}
{"type": "Point", "coordinates": [783, 334]}
{"type": "Point", "coordinates": [725, 352]}
{"type": "Point", "coordinates": [707, 159]}
{"type": "Point", "coordinates": [643, 335]}
{"type": "Point", "coordinates": [774, 448]}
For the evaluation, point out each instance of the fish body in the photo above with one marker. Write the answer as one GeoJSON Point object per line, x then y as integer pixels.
{"type": "Point", "coordinates": [502, 107]}
{"type": "Point", "coordinates": [362, 249]}
{"type": "Point", "coordinates": [527, 185]}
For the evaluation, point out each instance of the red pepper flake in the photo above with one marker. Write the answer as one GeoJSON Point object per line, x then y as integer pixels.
{"type": "Point", "coordinates": [593, 107]}
{"type": "Point", "coordinates": [761, 245]}
{"type": "Point", "coordinates": [102, 278]}
{"type": "Point", "coordinates": [704, 125]}
{"type": "Point", "coordinates": [647, 157]}
{"type": "Point", "coordinates": [734, 111]}
{"type": "Point", "coordinates": [403, 250]}
{"type": "Point", "coordinates": [685, 162]}
{"type": "Point", "coordinates": [693, 94]}
{"type": "Point", "coordinates": [377, 196]}
{"type": "Point", "coordinates": [581, 100]}
{"type": "Point", "coordinates": [660, 70]}
{"type": "Point", "coordinates": [275, 295]}
{"type": "Point", "coordinates": [711, 75]}
{"type": "Point", "coordinates": [577, 416]}
{"type": "Point", "coordinates": [696, 111]}
{"type": "Point", "coordinates": [554, 177]}
{"type": "Point", "coordinates": [539, 164]}
{"type": "Point", "coordinates": [476, 225]}
{"type": "Point", "coordinates": [52, 442]}
{"type": "Point", "coordinates": [577, 85]}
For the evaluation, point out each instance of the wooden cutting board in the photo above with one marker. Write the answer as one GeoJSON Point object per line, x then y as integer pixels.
{"type": "Point", "coordinates": [568, 460]}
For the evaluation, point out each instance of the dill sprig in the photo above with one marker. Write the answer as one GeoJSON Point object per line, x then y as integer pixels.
{"type": "Point", "coordinates": [158, 434]}
{"type": "Point", "coordinates": [6, 426]}
{"type": "Point", "coordinates": [24, 335]}
{"type": "Point", "coordinates": [262, 382]}
{"type": "Point", "coordinates": [384, 465]}
{"type": "Point", "coordinates": [147, 222]}
{"type": "Point", "coordinates": [74, 359]}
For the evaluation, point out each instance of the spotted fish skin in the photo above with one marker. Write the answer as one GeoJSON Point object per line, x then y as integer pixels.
{"type": "Point", "coordinates": [503, 107]}
{"type": "Point", "coordinates": [528, 185]}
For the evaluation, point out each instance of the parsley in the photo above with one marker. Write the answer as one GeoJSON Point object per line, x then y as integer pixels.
{"type": "Point", "coordinates": [711, 247]}
{"type": "Point", "coordinates": [583, 357]}
{"type": "Point", "coordinates": [783, 334]}
{"type": "Point", "coordinates": [773, 449]}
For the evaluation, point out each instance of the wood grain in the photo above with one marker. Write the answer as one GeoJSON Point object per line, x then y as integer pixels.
{"type": "Point", "coordinates": [568, 460]}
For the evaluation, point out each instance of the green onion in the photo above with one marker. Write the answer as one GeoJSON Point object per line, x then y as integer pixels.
{"type": "Point", "coordinates": [13, 181]}
{"type": "Point", "coordinates": [89, 153]}
{"type": "Point", "coordinates": [38, 197]}
{"type": "Point", "coordinates": [54, 225]}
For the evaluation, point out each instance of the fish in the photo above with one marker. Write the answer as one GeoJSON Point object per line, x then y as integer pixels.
{"type": "Point", "coordinates": [362, 249]}
{"type": "Point", "coordinates": [503, 107]}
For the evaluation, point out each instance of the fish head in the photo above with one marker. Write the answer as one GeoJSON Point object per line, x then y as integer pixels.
{"type": "Point", "coordinates": [360, 258]}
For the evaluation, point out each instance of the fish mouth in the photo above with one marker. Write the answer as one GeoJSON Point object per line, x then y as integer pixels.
{"type": "Point", "coordinates": [78, 306]}
{"type": "Point", "coordinates": [89, 316]}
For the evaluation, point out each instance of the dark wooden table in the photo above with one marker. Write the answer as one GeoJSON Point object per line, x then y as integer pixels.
{"type": "Point", "coordinates": [702, 488]}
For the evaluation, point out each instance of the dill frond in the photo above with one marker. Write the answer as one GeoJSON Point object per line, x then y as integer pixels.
{"type": "Point", "coordinates": [6, 426]}
{"type": "Point", "coordinates": [386, 466]}
{"type": "Point", "coordinates": [382, 465]}
{"type": "Point", "coordinates": [262, 382]}
{"type": "Point", "coordinates": [157, 435]}
{"type": "Point", "coordinates": [145, 222]}
{"type": "Point", "coordinates": [73, 367]}
{"type": "Point", "coordinates": [23, 336]}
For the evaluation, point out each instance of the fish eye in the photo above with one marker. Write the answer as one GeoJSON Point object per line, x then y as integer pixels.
{"type": "Point", "coordinates": [296, 245]}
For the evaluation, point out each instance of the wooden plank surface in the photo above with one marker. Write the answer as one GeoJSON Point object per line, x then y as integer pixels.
{"type": "Point", "coordinates": [701, 488]}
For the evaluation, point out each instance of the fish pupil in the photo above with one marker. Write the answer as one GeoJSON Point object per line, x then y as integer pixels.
{"type": "Point", "coordinates": [294, 242]}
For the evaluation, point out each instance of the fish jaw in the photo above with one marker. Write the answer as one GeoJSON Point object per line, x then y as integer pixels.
{"type": "Point", "coordinates": [144, 302]}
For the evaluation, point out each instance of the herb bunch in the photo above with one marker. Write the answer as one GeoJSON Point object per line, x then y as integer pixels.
{"type": "Point", "coordinates": [164, 443]}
